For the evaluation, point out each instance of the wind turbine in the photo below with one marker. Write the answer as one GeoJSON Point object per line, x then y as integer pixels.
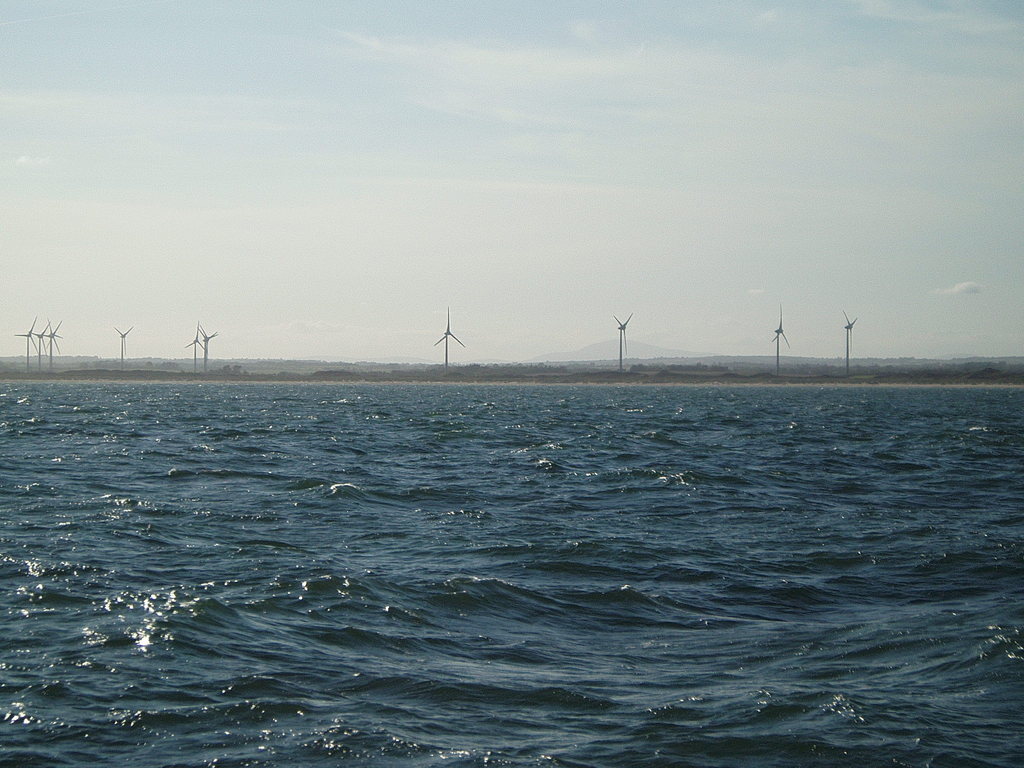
{"type": "Point", "coordinates": [206, 344]}
{"type": "Point", "coordinates": [52, 336]}
{"type": "Point", "coordinates": [445, 336]}
{"type": "Point", "coordinates": [849, 337]}
{"type": "Point", "coordinates": [622, 336]}
{"type": "Point", "coordinates": [123, 334]}
{"type": "Point", "coordinates": [195, 343]}
{"type": "Point", "coordinates": [40, 335]}
{"type": "Point", "coordinates": [779, 334]}
{"type": "Point", "coordinates": [28, 343]}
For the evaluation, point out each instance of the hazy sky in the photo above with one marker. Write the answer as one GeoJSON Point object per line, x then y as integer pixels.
{"type": "Point", "coordinates": [323, 179]}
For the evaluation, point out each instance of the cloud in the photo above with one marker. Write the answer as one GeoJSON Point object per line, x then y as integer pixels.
{"type": "Point", "coordinates": [755, 291]}
{"type": "Point", "coordinates": [28, 161]}
{"type": "Point", "coordinates": [676, 108]}
{"type": "Point", "coordinates": [968, 19]}
{"type": "Point", "coordinates": [958, 289]}
{"type": "Point", "coordinates": [587, 31]}
{"type": "Point", "coordinates": [527, 65]}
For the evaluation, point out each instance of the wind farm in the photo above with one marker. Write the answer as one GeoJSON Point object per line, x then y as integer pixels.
{"type": "Point", "coordinates": [655, 366]}
{"type": "Point", "coordinates": [44, 342]}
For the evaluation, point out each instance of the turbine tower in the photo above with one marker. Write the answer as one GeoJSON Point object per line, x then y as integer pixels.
{"type": "Point", "coordinates": [445, 336]}
{"type": "Point", "coordinates": [29, 341]}
{"type": "Point", "coordinates": [622, 337]}
{"type": "Point", "coordinates": [849, 338]}
{"type": "Point", "coordinates": [206, 344]}
{"type": "Point", "coordinates": [52, 336]}
{"type": "Point", "coordinates": [779, 334]}
{"type": "Point", "coordinates": [123, 334]}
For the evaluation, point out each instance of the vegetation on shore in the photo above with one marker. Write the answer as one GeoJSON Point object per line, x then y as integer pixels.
{"type": "Point", "coordinates": [976, 374]}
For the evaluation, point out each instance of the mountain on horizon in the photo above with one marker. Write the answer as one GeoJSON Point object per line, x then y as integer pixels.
{"type": "Point", "coordinates": [609, 350]}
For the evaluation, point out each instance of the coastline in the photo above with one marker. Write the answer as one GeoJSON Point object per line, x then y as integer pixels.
{"type": "Point", "coordinates": [984, 378]}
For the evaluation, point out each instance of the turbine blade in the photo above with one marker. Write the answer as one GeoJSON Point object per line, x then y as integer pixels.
{"type": "Point", "coordinates": [439, 340]}
{"type": "Point", "coordinates": [628, 319]}
{"type": "Point", "coordinates": [847, 317]}
{"type": "Point", "coordinates": [617, 320]}
{"type": "Point", "coordinates": [785, 339]}
{"type": "Point", "coordinates": [457, 339]}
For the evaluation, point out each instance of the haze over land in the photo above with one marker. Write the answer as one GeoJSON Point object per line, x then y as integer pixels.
{"type": "Point", "coordinates": [321, 181]}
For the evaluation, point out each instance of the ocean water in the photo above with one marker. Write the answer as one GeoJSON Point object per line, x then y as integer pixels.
{"type": "Point", "coordinates": [288, 575]}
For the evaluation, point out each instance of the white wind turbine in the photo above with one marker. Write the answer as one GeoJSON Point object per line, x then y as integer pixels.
{"type": "Point", "coordinates": [849, 338]}
{"type": "Point", "coordinates": [123, 335]}
{"type": "Point", "coordinates": [195, 344]}
{"type": "Point", "coordinates": [779, 334]}
{"type": "Point", "coordinates": [29, 342]}
{"type": "Point", "coordinates": [445, 336]}
{"type": "Point", "coordinates": [40, 335]}
{"type": "Point", "coordinates": [622, 336]}
{"type": "Point", "coordinates": [206, 344]}
{"type": "Point", "coordinates": [52, 336]}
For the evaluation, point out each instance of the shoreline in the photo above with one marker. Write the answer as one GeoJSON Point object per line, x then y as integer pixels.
{"type": "Point", "coordinates": [904, 379]}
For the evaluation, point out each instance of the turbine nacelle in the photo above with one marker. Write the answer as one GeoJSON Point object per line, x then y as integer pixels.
{"type": "Point", "coordinates": [779, 333]}
{"type": "Point", "coordinates": [448, 334]}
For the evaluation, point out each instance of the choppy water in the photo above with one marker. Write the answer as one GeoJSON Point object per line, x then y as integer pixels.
{"type": "Point", "coordinates": [510, 576]}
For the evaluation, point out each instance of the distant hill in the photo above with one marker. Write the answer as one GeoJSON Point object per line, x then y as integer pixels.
{"type": "Point", "coordinates": [609, 350]}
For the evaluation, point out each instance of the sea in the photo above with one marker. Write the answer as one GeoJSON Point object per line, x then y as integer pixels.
{"type": "Point", "coordinates": [208, 574]}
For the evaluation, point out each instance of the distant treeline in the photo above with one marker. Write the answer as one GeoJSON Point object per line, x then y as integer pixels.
{"type": "Point", "coordinates": [698, 373]}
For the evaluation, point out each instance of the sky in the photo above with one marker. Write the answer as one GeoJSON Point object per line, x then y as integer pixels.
{"type": "Point", "coordinates": [324, 180]}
